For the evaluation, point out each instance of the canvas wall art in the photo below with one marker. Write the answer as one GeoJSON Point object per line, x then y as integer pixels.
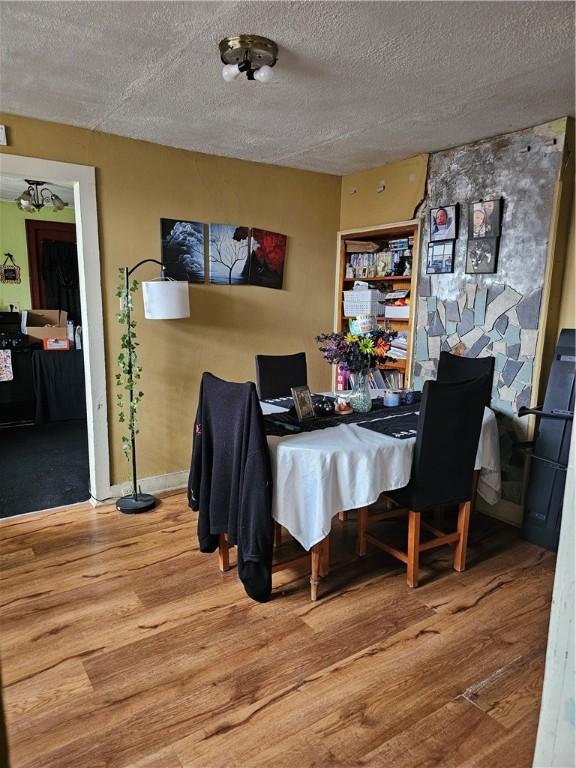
{"type": "Point", "coordinates": [228, 254]}
{"type": "Point", "coordinates": [267, 258]}
{"type": "Point", "coordinates": [183, 249]}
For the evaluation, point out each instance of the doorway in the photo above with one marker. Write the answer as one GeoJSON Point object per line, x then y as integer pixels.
{"type": "Point", "coordinates": [53, 267]}
{"type": "Point", "coordinates": [81, 179]}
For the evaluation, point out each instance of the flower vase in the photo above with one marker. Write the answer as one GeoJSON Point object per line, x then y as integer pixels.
{"type": "Point", "coordinates": [359, 398]}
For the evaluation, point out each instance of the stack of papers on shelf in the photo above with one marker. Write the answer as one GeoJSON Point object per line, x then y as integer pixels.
{"type": "Point", "coordinates": [398, 347]}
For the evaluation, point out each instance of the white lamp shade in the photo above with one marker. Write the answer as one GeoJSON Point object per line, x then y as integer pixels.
{"type": "Point", "coordinates": [166, 299]}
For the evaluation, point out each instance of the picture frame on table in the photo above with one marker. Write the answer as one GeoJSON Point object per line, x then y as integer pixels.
{"type": "Point", "coordinates": [303, 403]}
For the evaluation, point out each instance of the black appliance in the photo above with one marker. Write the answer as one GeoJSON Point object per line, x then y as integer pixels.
{"type": "Point", "coordinates": [550, 449]}
{"type": "Point", "coordinates": [11, 336]}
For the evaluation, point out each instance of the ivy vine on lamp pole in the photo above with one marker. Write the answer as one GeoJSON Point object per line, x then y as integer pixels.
{"type": "Point", "coordinates": [129, 375]}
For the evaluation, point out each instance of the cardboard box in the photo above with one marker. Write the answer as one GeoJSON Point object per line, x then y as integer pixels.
{"type": "Point", "coordinates": [43, 324]}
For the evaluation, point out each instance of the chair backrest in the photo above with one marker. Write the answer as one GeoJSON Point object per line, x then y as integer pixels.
{"type": "Point", "coordinates": [449, 430]}
{"type": "Point", "coordinates": [453, 369]}
{"type": "Point", "coordinates": [277, 374]}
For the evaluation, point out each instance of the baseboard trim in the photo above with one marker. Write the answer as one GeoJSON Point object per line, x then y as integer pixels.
{"type": "Point", "coordinates": [173, 481]}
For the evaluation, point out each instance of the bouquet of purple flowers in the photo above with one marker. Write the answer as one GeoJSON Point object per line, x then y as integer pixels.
{"type": "Point", "coordinates": [356, 354]}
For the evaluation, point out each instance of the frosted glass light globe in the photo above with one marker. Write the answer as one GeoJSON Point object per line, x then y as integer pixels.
{"type": "Point", "coordinates": [230, 72]}
{"type": "Point", "coordinates": [264, 74]}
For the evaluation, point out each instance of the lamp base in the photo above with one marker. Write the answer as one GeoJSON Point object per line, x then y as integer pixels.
{"type": "Point", "coordinates": [136, 503]}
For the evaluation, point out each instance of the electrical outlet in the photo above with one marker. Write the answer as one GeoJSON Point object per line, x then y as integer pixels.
{"type": "Point", "coordinates": [15, 307]}
{"type": "Point", "coordinates": [3, 141]}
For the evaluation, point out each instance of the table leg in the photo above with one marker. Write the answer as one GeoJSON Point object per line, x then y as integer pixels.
{"type": "Point", "coordinates": [317, 567]}
{"type": "Point", "coordinates": [277, 534]}
{"type": "Point", "coordinates": [325, 564]}
{"type": "Point", "coordinates": [362, 527]}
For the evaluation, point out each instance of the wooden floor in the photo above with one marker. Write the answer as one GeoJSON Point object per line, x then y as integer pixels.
{"type": "Point", "coordinates": [123, 646]}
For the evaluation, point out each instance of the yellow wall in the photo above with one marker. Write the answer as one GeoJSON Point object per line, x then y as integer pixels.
{"type": "Point", "coordinates": [139, 183]}
{"type": "Point", "coordinates": [361, 205]}
{"type": "Point", "coordinates": [13, 240]}
{"type": "Point", "coordinates": [567, 318]}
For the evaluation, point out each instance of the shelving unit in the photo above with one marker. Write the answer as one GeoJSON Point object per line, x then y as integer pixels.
{"type": "Point", "coordinates": [384, 233]}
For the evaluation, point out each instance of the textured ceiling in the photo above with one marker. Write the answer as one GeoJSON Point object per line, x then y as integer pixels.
{"type": "Point", "coordinates": [13, 186]}
{"type": "Point", "coordinates": [357, 84]}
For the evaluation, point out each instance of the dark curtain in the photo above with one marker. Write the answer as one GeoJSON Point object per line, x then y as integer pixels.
{"type": "Point", "coordinates": [59, 269]}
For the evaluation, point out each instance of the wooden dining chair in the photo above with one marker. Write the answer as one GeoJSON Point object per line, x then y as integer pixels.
{"type": "Point", "coordinates": [449, 428]}
{"type": "Point", "coordinates": [318, 559]}
{"type": "Point", "coordinates": [277, 374]}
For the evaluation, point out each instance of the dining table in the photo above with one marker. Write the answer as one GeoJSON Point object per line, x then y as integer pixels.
{"type": "Point", "coordinates": [320, 473]}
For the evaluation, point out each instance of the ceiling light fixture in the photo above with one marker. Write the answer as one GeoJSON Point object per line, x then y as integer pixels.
{"type": "Point", "coordinates": [251, 54]}
{"type": "Point", "coordinates": [37, 196]}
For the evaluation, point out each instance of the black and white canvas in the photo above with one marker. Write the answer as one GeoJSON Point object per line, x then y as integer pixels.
{"type": "Point", "coordinates": [228, 249]}
{"type": "Point", "coordinates": [482, 256]}
{"type": "Point", "coordinates": [183, 249]}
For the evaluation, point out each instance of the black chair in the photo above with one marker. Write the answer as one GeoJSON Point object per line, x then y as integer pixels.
{"type": "Point", "coordinates": [449, 428]}
{"type": "Point", "coordinates": [453, 369]}
{"type": "Point", "coordinates": [276, 374]}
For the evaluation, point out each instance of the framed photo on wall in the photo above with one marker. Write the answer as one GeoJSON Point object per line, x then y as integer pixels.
{"type": "Point", "coordinates": [444, 223]}
{"type": "Point", "coordinates": [484, 219]}
{"type": "Point", "coordinates": [440, 259]}
{"type": "Point", "coordinates": [482, 256]}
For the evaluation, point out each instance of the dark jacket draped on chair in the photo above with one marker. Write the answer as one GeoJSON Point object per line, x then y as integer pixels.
{"type": "Point", "coordinates": [230, 482]}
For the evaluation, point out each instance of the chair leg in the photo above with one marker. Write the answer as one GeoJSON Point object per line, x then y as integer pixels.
{"type": "Point", "coordinates": [277, 534]}
{"type": "Point", "coordinates": [317, 554]}
{"type": "Point", "coordinates": [362, 526]}
{"type": "Point", "coordinates": [413, 548]}
{"type": "Point", "coordinates": [462, 544]}
{"type": "Point", "coordinates": [474, 490]}
{"type": "Point", "coordinates": [223, 552]}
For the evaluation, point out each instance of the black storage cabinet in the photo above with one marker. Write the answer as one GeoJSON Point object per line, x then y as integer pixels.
{"type": "Point", "coordinates": [549, 462]}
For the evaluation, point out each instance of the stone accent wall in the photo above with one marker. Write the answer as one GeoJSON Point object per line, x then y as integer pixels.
{"type": "Point", "coordinates": [495, 321]}
{"type": "Point", "coordinates": [493, 314]}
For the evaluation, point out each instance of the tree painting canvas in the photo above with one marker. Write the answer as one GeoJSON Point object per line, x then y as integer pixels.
{"type": "Point", "coordinates": [267, 257]}
{"type": "Point", "coordinates": [228, 254]}
{"type": "Point", "coordinates": [183, 249]}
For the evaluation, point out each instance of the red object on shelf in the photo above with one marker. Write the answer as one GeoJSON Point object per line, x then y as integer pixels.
{"type": "Point", "coordinates": [56, 345]}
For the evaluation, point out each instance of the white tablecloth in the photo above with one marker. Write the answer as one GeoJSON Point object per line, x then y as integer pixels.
{"type": "Point", "coordinates": [318, 474]}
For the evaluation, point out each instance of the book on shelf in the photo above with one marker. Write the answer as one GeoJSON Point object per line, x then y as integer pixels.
{"type": "Point", "coordinates": [393, 379]}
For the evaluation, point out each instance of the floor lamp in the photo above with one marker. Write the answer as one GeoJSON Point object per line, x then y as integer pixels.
{"type": "Point", "coordinates": [164, 299]}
